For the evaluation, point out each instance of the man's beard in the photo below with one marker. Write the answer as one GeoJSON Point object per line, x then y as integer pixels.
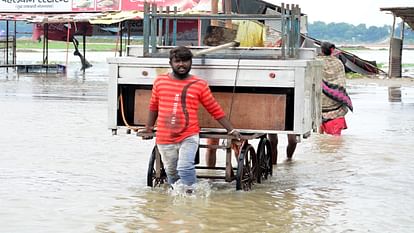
{"type": "Point", "coordinates": [181, 75]}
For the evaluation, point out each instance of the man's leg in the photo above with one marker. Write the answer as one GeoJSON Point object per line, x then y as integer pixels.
{"type": "Point", "coordinates": [186, 156]}
{"type": "Point", "coordinates": [169, 157]}
{"type": "Point", "coordinates": [273, 142]}
{"type": "Point", "coordinates": [211, 153]}
{"type": "Point", "coordinates": [290, 149]}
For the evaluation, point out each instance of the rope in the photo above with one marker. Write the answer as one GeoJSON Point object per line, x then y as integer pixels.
{"type": "Point", "coordinates": [234, 87]}
{"type": "Point", "coordinates": [121, 102]}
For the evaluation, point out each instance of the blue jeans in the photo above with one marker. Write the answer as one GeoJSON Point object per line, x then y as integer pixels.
{"type": "Point", "coordinates": [179, 158]}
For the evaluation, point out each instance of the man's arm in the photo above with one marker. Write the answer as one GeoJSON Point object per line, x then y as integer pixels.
{"type": "Point", "coordinates": [149, 126]}
{"type": "Point", "coordinates": [152, 117]}
{"type": "Point", "coordinates": [229, 127]}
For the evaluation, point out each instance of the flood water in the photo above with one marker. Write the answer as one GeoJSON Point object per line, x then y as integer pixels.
{"type": "Point", "coordinates": [61, 170]}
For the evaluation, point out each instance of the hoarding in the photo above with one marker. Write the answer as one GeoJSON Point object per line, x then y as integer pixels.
{"type": "Point", "coordinates": [49, 6]}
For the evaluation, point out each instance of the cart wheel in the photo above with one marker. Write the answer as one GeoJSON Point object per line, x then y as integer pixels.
{"type": "Point", "coordinates": [152, 179]}
{"type": "Point", "coordinates": [264, 155]}
{"type": "Point", "coordinates": [247, 162]}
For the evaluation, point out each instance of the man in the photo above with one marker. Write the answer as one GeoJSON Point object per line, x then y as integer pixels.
{"type": "Point", "coordinates": [174, 105]}
{"type": "Point", "coordinates": [335, 99]}
{"type": "Point", "coordinates": [290, 149]}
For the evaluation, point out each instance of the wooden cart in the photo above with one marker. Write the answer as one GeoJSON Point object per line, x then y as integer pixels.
{"type": "Point", "coordinates": [253, 165]}
{"type": "Point", "coordinates": [263, 90]}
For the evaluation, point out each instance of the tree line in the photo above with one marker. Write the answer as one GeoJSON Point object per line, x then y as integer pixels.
{"type": "Point", "coordinates": [334, 32]}
{"type": "Point", "coordinates": [360, 34]}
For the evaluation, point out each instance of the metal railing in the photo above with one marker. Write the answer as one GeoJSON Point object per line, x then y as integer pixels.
{"type": "Point", "coordinates": [7, 50]}
{"type": "Point", "coordinates": [156, 27]}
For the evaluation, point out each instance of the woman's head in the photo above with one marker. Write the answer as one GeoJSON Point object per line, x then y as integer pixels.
{"type": "Point", "coordinates": [327, 48]}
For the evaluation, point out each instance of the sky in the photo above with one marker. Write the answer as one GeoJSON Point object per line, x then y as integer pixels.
{"type": "Point", "coordinates": [349, 11]}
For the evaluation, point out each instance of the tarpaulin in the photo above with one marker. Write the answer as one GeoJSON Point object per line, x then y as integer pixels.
{"type": "Point", "coordinates": [116, 17]}
{"type": "Point", "coordinates": [81, 6]}
{"type": "Point", "coordinates": [251, 33]}
{"type": "Point", "coordinates": [59, 31]}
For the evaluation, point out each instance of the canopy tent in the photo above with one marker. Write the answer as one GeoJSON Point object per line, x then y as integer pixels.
{"type": "Point", "coordinates": [405, 13]}
{"type": "Point", "coordinates": [64, 13]}
{"type": "Point", "coordinates": [52, 18]}
{"type": "Point", "coordinates": [80, 6]}
{"type": "Point", "coordinates": [116, 17]}
{"type": "Point", "coordinates": [396, 42]}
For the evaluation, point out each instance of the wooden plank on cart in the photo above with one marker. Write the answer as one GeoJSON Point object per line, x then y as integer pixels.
{"type": "Point", "coordinates": [248, 111]}
{"type": "Point", "coordinates": [142, 99]}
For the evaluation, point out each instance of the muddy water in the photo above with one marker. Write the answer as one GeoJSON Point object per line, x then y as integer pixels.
{"type": "Point", "coordinates": [61, 170]}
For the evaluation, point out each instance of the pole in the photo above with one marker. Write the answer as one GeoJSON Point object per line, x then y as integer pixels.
{"type": "Point", "coordinates": [7, 44]}
{"type": "Point", "coordinates": [15, 43]}
{"type": "Point", "coordinates": [214, 10]}
{"type": "Point", "coordinates": [390, 49]}
{"type": "Point", "coordinates": [227, 7]}
{"type": "Point", "coordinates": [67, 43]}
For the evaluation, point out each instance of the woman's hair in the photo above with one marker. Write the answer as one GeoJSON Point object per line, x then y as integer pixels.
{"type": "Point", "coordinates": [326, 48]}
{"type": "Point", "coordinates": [183, 53]}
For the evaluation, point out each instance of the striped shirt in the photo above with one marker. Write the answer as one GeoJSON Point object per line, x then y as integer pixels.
{"type": "Point", "coordinates": [177, 102]}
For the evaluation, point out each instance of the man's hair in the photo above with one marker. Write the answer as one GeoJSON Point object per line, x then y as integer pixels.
{"type": "Point", "coordinates": [326, 48]}
{"type": "Point", "coordinates": [183, 53]}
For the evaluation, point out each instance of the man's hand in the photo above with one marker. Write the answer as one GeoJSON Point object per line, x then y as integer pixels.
{"type": "Point", "coordinates": [146, 133]}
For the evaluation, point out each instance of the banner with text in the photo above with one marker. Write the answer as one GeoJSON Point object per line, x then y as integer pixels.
{"type": "Point", "coordinates": [50, 6]}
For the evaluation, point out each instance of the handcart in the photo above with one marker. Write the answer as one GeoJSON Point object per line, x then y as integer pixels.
{"type": "Point", "coordinates": [263, 90]}
{"type": "Point", "coordinates": [253, 165]}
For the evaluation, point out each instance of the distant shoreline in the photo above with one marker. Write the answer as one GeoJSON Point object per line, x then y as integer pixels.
{"type": "Point", "coordinates": [386, 82]}
{"type": "Point", "coordinates": [408, 72]}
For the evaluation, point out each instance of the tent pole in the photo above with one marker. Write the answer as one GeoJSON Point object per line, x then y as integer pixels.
{"type": "Point", "coordinates": [120, 39]}
{"type": "Point", "coordinates": [15, 43]}
{"type": "Point", "coordinates": [67, 43]}
{"type": "Point", "coordinates": [390, 49]}
{"type": "Point", "coordinates": [84, 49]}
{"type": "Point", "coordinates": [7, 44]}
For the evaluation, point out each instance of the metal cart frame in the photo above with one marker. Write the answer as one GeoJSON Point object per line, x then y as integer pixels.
{"type": "Point", "coordinates": [252, 165]}
{"type": "Point", "coordinates": [295, 69]}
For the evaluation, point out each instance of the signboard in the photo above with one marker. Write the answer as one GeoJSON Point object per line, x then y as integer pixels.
{"type": "Point", "coordinates": [50, 6]}
{"type": "Point", "coordinates": [35, 5]}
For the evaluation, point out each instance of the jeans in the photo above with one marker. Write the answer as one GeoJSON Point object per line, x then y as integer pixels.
{"type": "Point", "coordinates": [178, 160]}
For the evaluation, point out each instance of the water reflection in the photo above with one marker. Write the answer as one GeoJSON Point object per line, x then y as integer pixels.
{"type": "Point", "coordinates": [61, 170]}
{"type": "Point", "coordinates": [394, 94]}
{"type": "Point", "coordinates": [329, 145]}
{"type": "Point", "coordinates": [263, 210]}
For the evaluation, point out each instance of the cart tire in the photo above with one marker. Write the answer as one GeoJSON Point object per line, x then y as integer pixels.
{"type": "Point", "coordinates": [246, 168]}
{"type": "Point", "coordinates": [152, 179]}
{"type": "Point", "coordinates": [264, 156]}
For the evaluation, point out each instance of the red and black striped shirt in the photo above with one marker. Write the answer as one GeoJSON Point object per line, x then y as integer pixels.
{"type": "Point", "coordinates": [177, 103]}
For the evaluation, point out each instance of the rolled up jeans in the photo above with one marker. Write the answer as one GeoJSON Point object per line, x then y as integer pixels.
{"type": "Point", "coordinates": [178, 160]}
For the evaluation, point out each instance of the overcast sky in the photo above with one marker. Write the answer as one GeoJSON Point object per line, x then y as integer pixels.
{"type": "Point", "coordinates": [349, 11]}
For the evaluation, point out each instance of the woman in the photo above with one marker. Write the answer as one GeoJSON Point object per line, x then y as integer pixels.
{"type": "Point", "coordinates": [335, 99]}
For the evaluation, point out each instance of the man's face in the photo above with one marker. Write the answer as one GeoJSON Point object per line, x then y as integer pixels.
{"type": "Point", "coordinates": [180, 67]}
